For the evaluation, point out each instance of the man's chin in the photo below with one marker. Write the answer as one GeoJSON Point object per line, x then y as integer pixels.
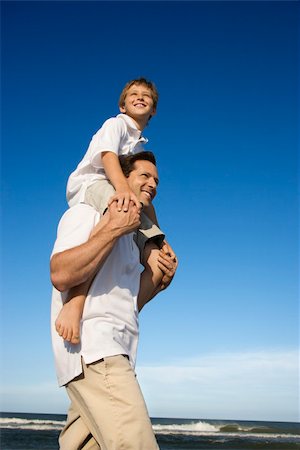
{"type": "Point", "coordinates": [145, 202]}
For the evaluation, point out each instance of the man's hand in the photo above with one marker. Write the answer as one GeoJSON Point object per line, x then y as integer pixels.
{"type": "Point", "coordinates": [167, 249]}
{"type": "Point", "coordinates": [122, 221]}
{"type": "Point", "coordinates": [168, 265]}
{"type": "Point", "coordinates": [159, 271]}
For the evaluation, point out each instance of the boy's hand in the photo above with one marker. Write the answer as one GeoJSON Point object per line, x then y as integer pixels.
{"type": "Point", "coordinates": [123, 199]}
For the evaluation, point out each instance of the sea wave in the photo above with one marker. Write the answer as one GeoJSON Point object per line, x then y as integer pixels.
{"type": "Point", "coordinates": [195, 427]}
{"type": "Point", "coordinates": [234, 427]}
{"type": "Point", "coordinates": [201, 428]}
{"type": "Point", "coordinates": [30, 424]}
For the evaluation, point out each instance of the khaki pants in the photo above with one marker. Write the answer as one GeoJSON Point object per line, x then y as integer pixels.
{"type": "Point", "coordinates": [107, 411]}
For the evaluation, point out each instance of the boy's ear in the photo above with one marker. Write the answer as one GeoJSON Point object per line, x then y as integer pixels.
{"type": "Point", "coordinates": [122, 109]}
{"type": "Point", "coordinates": [153, 112]}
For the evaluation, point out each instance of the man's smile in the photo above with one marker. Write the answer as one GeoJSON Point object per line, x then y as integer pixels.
{"type": "Point", "coordinates": [148, 193]}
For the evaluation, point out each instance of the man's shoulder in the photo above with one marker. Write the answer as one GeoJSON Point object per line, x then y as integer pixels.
{"type": "Point", "coordinates": [79, 213]}
{"type": "Point", "coordinates": [75, 226]}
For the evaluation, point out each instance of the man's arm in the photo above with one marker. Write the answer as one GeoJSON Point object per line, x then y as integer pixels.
{"type": "Point", "coordinates": [76, 265]}
{"type": "Point", "coordinates": [114, 173]}
{"type": "Point", "coordinates": [160, 268]}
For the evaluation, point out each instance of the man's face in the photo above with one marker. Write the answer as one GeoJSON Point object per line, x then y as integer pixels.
{"type": "Point", "coordinates": [143, 181]}
{"type": "Point", "coordinates": [138, 102]}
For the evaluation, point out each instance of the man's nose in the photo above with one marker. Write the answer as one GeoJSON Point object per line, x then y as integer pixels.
{"type": "Point", "coordinates": [152, 183]}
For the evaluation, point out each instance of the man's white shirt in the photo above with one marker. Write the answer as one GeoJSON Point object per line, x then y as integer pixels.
{"type": "Point", "coordinates": [110, 317]}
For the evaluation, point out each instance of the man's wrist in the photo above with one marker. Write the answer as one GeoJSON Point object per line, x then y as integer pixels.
{"type": "Point", "coordinates": [106, 229]}
{"type": "Point", "coordinates": [112, 228]}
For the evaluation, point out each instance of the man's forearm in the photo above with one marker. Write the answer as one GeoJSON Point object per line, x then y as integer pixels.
{"type": "Point", "coordinates": [160, 268]}
{"type": "Point", "coordinates": [147, 289]}
{"type": "Point", "coordinates": [151, 276]}
{"type": "Point", "coordinates": [74, 266]}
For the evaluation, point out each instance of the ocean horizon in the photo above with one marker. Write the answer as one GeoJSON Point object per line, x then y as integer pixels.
{"type": "Point", "coordinates": [30, 431]}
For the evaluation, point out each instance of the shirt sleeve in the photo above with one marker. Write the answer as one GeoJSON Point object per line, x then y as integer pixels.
{"type": "Point", "coordinates": [108, 138]}
{"type": "Point", "coordinates": [75, 227]}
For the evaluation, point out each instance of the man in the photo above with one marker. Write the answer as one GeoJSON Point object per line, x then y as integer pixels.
{"type": "Point", "coordinates": [107, 408]}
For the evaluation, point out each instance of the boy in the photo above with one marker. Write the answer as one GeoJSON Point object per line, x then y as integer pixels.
{"type": "Point", "coordinates": [99, 181]}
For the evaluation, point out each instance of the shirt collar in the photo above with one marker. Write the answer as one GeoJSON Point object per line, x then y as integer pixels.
{"type": "Point", "coordinates": [130, 122]}
{"type": "Point", "coordinates": [132, 127]}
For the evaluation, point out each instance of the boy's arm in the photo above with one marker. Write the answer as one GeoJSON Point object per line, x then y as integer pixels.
{"type": "Point", "coordinates": [114, 173]}
{"type": "Point", "coordinates": [159, 271]}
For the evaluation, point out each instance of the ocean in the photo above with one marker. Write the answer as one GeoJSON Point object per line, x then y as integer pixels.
{"type": "Point", "coordinates": [20, 431]}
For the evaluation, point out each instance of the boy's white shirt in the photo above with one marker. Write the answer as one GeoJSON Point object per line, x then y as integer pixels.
{"type": "Point", "coordinates": [119, 135]}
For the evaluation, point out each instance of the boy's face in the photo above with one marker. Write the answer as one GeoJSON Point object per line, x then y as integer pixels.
{"type": "Point", "coordinates": [138, 104]}
{"type": "Point", "coordinates": [143, 181]}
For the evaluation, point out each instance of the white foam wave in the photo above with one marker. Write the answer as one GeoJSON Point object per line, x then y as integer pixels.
{"type": "Point", "coordinates": [30, 424]}
{"type": "Point", "coordinates": [206, 429]}
{"type": "Point", "coordinates": [198, 427]}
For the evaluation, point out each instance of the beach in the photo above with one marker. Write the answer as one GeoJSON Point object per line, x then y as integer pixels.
{"type": "Point", "coordinates": [28, 431]}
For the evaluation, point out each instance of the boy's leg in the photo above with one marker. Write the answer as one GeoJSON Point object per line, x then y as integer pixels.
{"type": "Point", "coordinates": [68, 320]}
{"type": "Point", "coordinates": [148, 231]}
{"type": "Point", "coordinates": [110, 403]}
{"type": "Point", "coordinates": [98, 195]}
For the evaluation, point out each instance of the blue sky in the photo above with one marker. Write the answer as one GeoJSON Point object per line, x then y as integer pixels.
{"type": "Point", "coordinates": [222, 341]}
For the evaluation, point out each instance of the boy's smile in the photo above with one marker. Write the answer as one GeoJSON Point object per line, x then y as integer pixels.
{"type": "Point", "coordinates": [140, 105]}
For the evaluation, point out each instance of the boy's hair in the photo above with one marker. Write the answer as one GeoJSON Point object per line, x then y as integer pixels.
{"type": "Point", "coordinates": [139, 81]}
{"type": "Point", "coordinates": [127, 161]}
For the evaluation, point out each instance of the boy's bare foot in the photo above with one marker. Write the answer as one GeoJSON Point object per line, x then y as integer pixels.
{"type": "Point", "coordinates": [67, 323]}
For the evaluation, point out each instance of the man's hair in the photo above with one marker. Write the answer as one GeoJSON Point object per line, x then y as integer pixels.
{"type": "Point", "coordinates": [139, 81]}
{"type": "Point", "coordinates": [127, 161]}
